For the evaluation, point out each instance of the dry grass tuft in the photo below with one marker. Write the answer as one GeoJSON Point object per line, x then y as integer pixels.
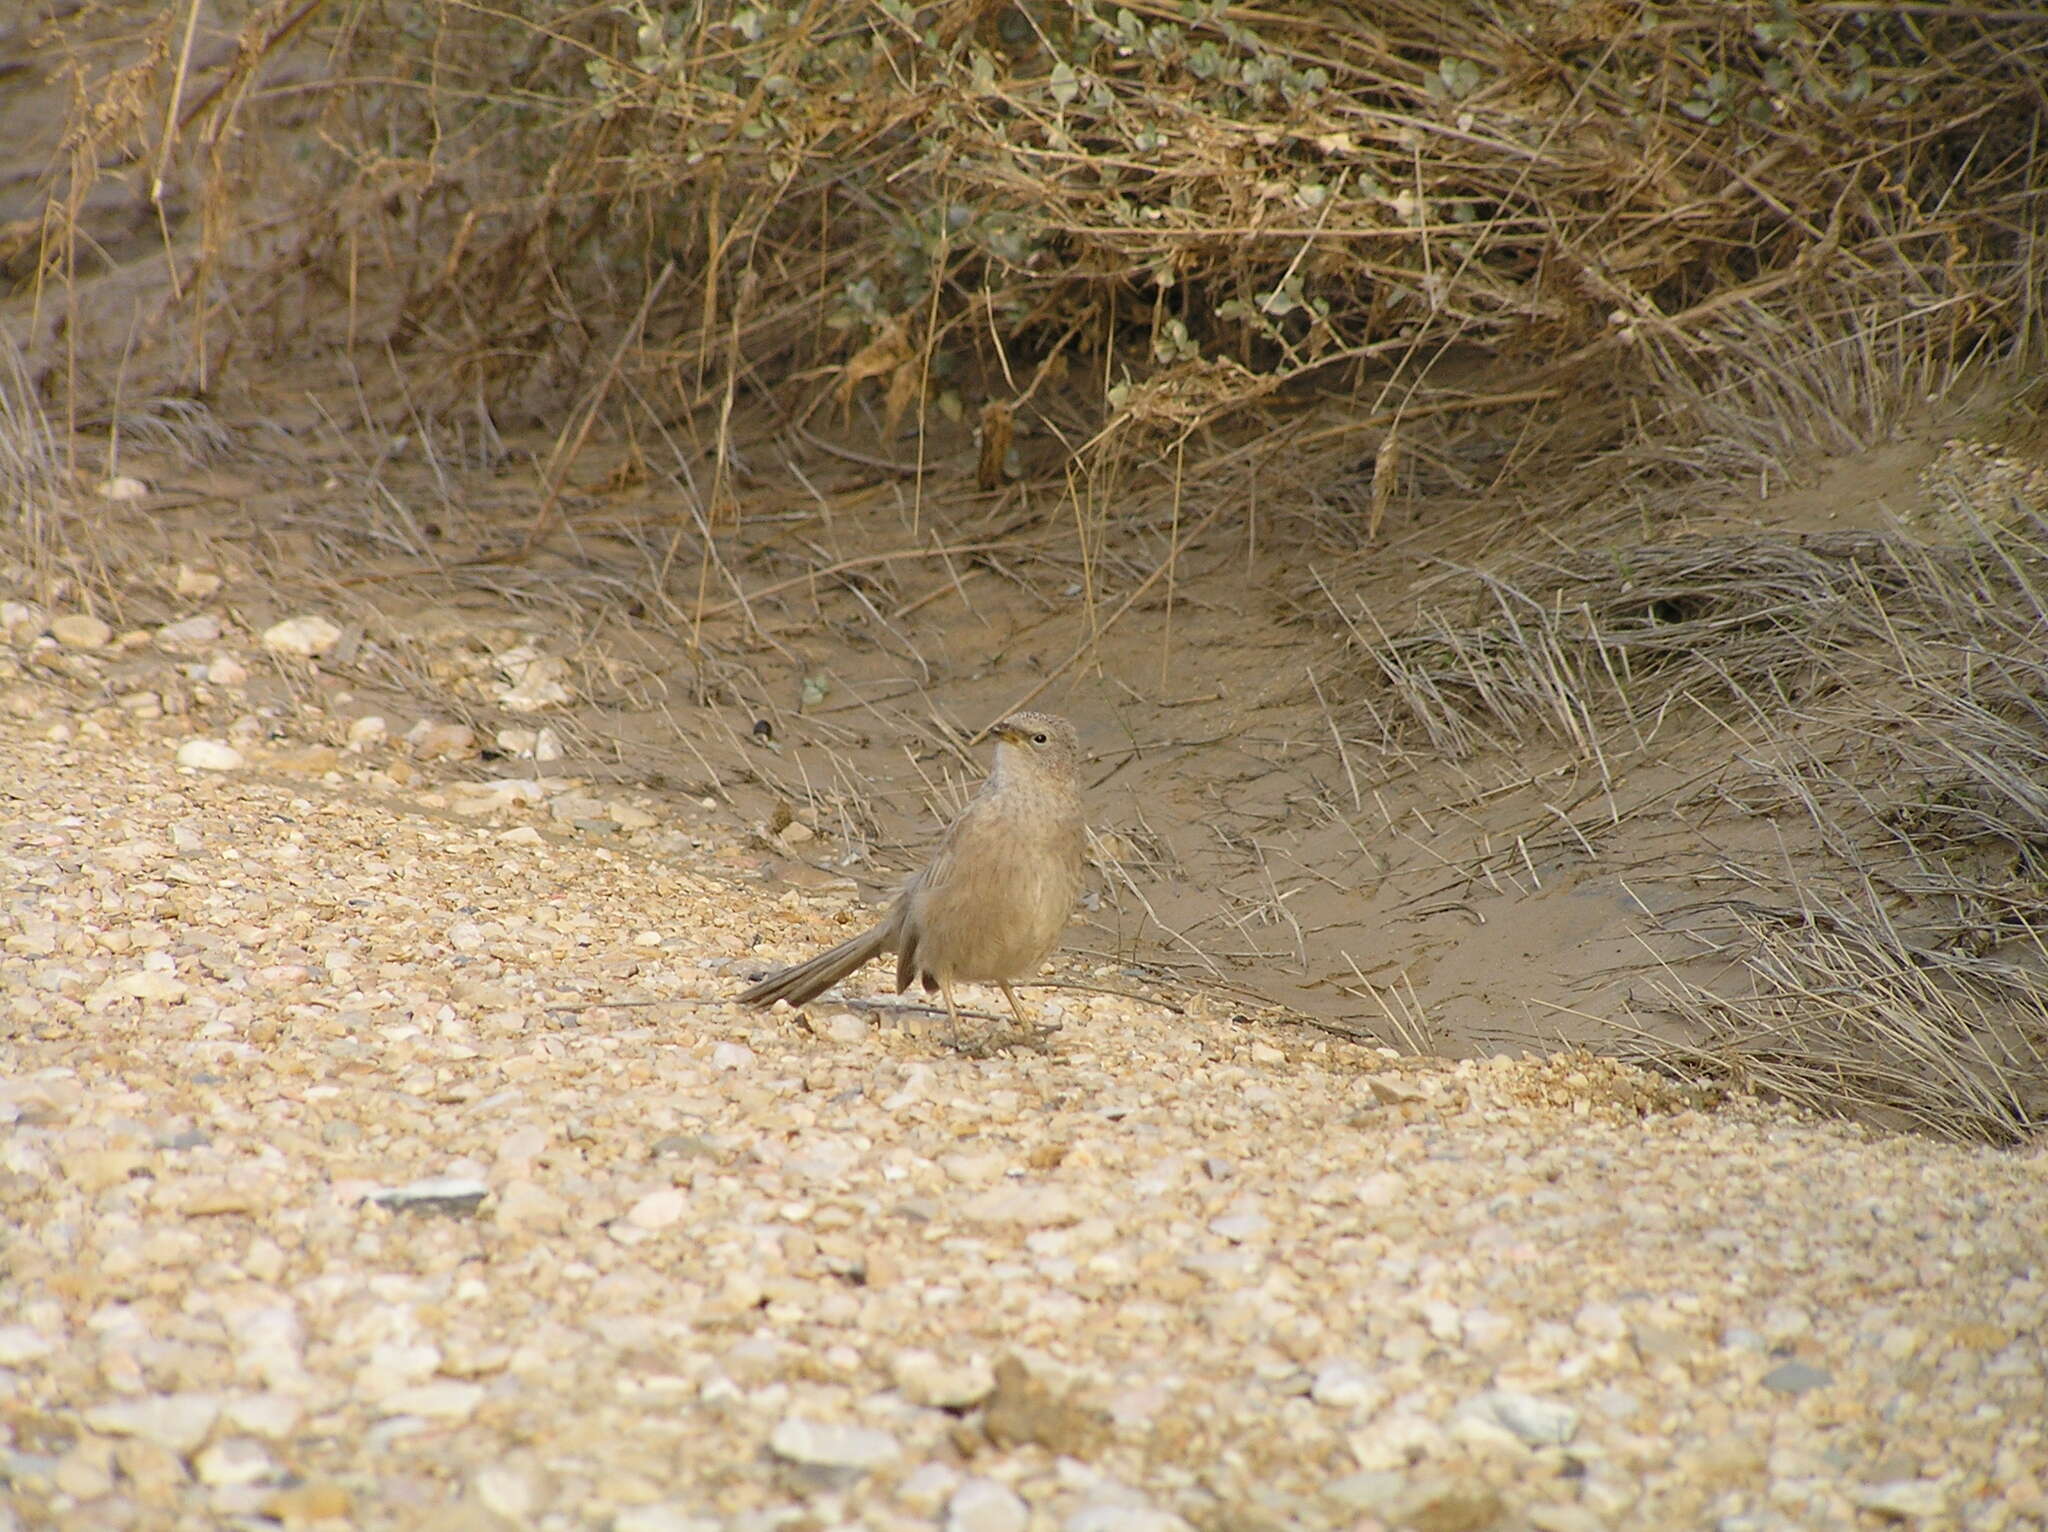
{"type": "Point", "coordinates": [1877, 709]}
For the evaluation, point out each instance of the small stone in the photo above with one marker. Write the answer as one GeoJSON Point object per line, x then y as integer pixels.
{"type": "Point", "coordinates": [1787, 1322]}
{"type": "Point", "coordinates": [629, 817]}
{"type": "Point", "coordinates": [450, 1196]}
{"type": "Point", "coordinates": [984, 1505]}
{"type": "Point", "coordinates": [659, 1210]}
{"type": "Point", "coordinates": [202, 629]}
{"type": "Point", "coordinates": [844, 1027]}
{"type": "Point", "coordinates": [435, 1401]}
{"type": "Point", "coordinates": [1368, 1494]}
{"type": "Point", "coordinates": [1564, 1518]}
{"type": "Point", "coordinates": [1026, 1206]}
{"type": "Point", "coordinates": [197, 584]}
{"type": "Point", "coordinates": [23, 621]}
{"type": "Point", "coordinates": [79, 630]}
{"type": "Point", "coordinates": [209, 755]}
{"type": "Point", "coordinates": [1536, 1422]}
{"type": "Point", "coordinates": [547, 745]}
{"type": "Point", "coordinates": [1903, 1499]}
{"type": "Point", "coordinates": [927, 1487]}
{"type": "Point", "coordinates": [1123, 1518]}
{"type": "Point", "coordinates": [432, 740]}
{"type": "Point", "coordinates": [826, 1444]}
{"type": "Point", "coordinates": [176, 1422]}
{"type": "Point", "coordinates": [308, 637]}
{"type": "Point", "coordinates": [319, 1500]}
{"type": "Point", "coordinates": [367, 732]}
{"type": "Point", "coordinates": [525, 1204]}
{"type": "Point", "coordinates": [665, 1518]}
{"type": "Point", "coordinates": [122, 487]}
{"type": "Point", "coordinates": [226, 670]}
{"type": "Point", "coordinates": [274, 1417]}
{"type": "Point", "coordinates": [86, 1472]}
{"type": "Point", "coordinates": [536, 681]}
{"type": "Point", "coordinates": [512, 1492]}
{"type": "Point", "coordinates": [236, 1461]}
{"type": "Point", "coordinates": [927, 1380]}
{"type": "Point", "coordinates": [1240, 1228]}
{"type": "Point", "coordinates": [1344, 1385]}
{"type": "Point", "coordinates": [1796, 1378]}
{"type": "Point", "coordinates": [24, 1343]}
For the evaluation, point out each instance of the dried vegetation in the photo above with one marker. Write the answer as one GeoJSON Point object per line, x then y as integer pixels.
{"type": "Point", "coordinates": [1880, 707]}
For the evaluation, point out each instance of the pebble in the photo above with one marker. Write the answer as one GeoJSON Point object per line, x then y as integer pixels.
{"type": "Point", "coordinates": [80, 630]}
{"type": "Point", "coordinates": [1123, 1518]}
{"type": "Point", "coordinates": [24, 1343]}
{"type": "Point", "coordinates": [984, 1505]}
{"type": "Point", "coordinates": [844, 1027]}
{"type": "Point", "coordinates": [202, 629]}
{"type": "Point", "coordinates": [436, 1401]}
{"type": "Point", "coordinates": [452, 1196]}
{"type": "Point", "coordinates": [659, 1210]}
{"type": "Point", "coordinates": [1536, 1422]}
{"type": "Point", "coordinates": [367, 732]}
{"type": "Point", "coordinates": [1796, 1378]}
{"type": "Point", "coordinates": [1903, 1499]}
{"type": "Point", "coordinates": [176, 1422]}
{"type": "Point", "coordinates": [436, 740]}
{"type": "Point", "coordinates": [664, 1518]}
{"type": "Point", "coordinates": [210, 755]}
{"type": "Point", "coordinates": [1344, 1385]}
{"type": "Point", "coordinates": [226, 670]}
{"type": "Point", "coordinates": [308, 637]}
{"type": "Point", "coordinates": [926, 1489]}
{"type": "Point", "coordinates": [927, 1380]}
{"type": "Point", "coordinates": [235, 1461]}
{"type": "Point", "coordinates": [827, 1444]}
{"type": "Point", "coordinates": [512, 1492]}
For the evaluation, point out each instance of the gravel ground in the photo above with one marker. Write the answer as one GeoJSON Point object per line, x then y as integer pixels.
{"type": "Point", "coordinates": [381, 1150]}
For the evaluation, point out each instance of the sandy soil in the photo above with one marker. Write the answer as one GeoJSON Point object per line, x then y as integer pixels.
{"type": "Point", "coordinates": [381, 1150]}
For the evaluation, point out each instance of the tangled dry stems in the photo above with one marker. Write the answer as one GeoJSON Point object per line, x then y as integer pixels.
{"type": "Point", "coordinates": [1884, 704]}
{"type": "Point", "coordinates": [1774, 216]}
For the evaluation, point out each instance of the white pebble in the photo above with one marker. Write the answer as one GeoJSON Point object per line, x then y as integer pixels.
{"type": "Point", "coordinates": [176, 1422]}
{"type": "Point", "coordinates": [436, 1401]}
{"type": "Point", "coordinates": [659, 1210]}
{"type": "Point", "coordinates": [78, 630]}
{"type": "Point", "coordinates": [936, 1384]}
{"type": "Point", "coordinates": [209, 755]}
{"type": "Point", "coordinates": [307, 637]}
{"type": "Point", "coordinates": [235, 1461]}
{"type": "Point", "coordinates": [826, 1444]}
{"type": "Point", "coordinates": [983, 1505]}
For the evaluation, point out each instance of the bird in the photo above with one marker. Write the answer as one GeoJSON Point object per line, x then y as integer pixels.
{"type": "Point", "coordinates": [991, 903]}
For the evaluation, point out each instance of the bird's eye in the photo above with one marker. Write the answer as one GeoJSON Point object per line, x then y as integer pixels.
{"type": "Point", "coordinates": [1041, 739]}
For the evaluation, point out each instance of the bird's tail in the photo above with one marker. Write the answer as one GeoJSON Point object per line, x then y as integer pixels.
{"type": "Point", "coordinates": [808, 980]}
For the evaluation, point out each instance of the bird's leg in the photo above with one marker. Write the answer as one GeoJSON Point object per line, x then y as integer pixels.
{"type": "Point", "coordinates": [1016, 1010]}
{"type": "Point", "coordinates": [952, 1011]}
{"type": "Point", "coordinates": [1029, 1035]}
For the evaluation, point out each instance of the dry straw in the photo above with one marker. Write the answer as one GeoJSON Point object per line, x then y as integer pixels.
{"type": "Point", "coordinates": [1776, 213]}
{"type": "Point", "coordinates": [1868, 716]}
